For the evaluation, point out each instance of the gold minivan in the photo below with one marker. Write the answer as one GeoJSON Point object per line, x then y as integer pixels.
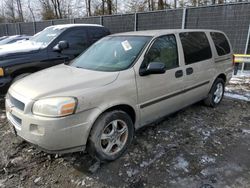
{"type": "Point", "coordinates": [121, 83]}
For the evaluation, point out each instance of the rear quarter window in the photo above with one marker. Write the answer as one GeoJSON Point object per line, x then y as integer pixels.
{"type": "Point", "coordinates": [221, 43]}
{"type": "Point", "coordinates": [195, 47]}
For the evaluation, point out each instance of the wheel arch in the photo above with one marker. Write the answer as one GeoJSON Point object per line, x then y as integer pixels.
{"type": "Point", "coordinates": [124, 107]}
{"type": "Point", "coordinates": [222, 76]}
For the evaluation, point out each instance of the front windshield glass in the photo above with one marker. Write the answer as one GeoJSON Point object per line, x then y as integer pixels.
{"type": "Point", "coordinates": [112, 53]}
{"type": "Point", "coordinates": [47, 35]}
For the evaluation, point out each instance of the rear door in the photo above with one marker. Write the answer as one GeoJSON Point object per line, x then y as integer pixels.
{"type": "Point", "coordinates": [198, 67]}
{"type": "Point", "coordinates": [160, 94]}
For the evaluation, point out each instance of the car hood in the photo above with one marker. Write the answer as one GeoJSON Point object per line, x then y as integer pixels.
{"type": "Point", "coordinates": [61, 80]}
{"type": "Point", "coordinates": [19, 47]}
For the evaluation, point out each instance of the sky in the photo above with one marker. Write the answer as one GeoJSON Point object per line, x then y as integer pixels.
{"type": "Point", "coordinates": [78, 7]}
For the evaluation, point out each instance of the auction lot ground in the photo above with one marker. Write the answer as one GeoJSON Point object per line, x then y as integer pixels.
{"type": "Point", "coordinates": [195, 147]}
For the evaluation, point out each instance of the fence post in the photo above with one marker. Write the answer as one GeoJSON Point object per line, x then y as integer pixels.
{"type": "Point", "coordinates": [135, 22]}
{"type": "Point", "coordinates": [19, 28]}
{"type": "Point", "coordinates": [101, 20]}
{"type": "Point", "coordinates": [34, 27]}
{"type": "Point", "coordinates": [52, 23]}
{"type": "Point", "coordinates": [183, 24]}
{"type": "Point", "coordinates": [6, 30]}
{"type": "Point", "coordinates": [247, 42]}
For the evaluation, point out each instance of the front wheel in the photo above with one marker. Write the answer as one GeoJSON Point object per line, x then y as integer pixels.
{"type": "Point", "coordinates": [110, 136]}
{"type": "Point", "coordinates": [216, 93]}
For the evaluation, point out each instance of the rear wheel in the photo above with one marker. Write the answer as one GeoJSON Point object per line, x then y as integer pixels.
{"type": "Point", "coordinates": [111, 135]}
{"type": "Point", "coordinates": [216, 93]}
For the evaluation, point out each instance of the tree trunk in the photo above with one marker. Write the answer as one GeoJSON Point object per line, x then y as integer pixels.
{"type": "Point", "coordinates": [160, 5]}
{"type": "Point", "coordinates": [152, 5]}
{"type": "Point", "coordinates": [175, 4]}
{"type": "Point", "coordinates": [103, 7]}
{"type": "Point", "coordinates": [20, 11]}
{"type": "Point", "coordinates": [89, 7]}
{"type": "Point", "coordinates": [109, 3]}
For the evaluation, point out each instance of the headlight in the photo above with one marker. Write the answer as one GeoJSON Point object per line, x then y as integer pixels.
{"type": "Point", "coordinates": [1, 72]}
{"type": "Point", "coordinates": [55, 107]}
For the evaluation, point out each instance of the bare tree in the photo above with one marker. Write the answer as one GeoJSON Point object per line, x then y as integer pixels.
{"type": "Point", "coordinates": [10, 11]}
{"type": "Point", "coordinates": [88, 7]}
{"type": "Point", "coordinates": [160, 4]}
{"type": "Point", "coordinates": [47, 10]}
{"type": "Point", "coordinates": [19, 10]}
{"type": "Point", "coordinates": [136, 6]}
{"type": "Point", "coordinates": [31, 11]}
{"type": "Point", "coordinates": [109, 6]}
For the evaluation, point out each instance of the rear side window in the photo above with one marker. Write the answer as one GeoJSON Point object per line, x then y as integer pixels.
{"type": "Point", "coordinates": [221, 43]}
{"type": "Point", "coordinates": [195, 46]}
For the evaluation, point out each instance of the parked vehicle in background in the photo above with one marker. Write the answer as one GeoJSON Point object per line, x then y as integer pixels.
{"type": "Point", "coordinates": [52, 46]}
{"type": "Point", "coordinates": [12, 39]}
{"type": "Point", "coordinates": [121, 83]}
{"type": "Point", "coordinates": [3, 37]}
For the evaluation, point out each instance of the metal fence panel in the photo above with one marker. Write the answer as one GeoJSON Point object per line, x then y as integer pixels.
{"type": "Point", "coordinates": [12, 29]}
{"type": "Point", "coordinates": [170, 19]}
{"type": "Point", "coordinates": [3, 31]}
{"type": "Point", "coordinates": [90, 20]}
{"type": "Point", "coordinates": [119, 23]}
{"type": "Point", "coordinates": [234, 20]}
{"type": "Point", "coordinates": [27, 28]}
{"type": "Point", "coordinates": [61, 21]}
{"type": "Point", "coordinates": [39, 26]}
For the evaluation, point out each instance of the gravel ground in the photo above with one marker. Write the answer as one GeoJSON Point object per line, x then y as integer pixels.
{"type": "Point", "coordinates": [197, 147]}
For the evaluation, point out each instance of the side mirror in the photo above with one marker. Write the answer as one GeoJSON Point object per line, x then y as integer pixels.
{"type": "Point", "coordinates": [153, 68]}
{"type": "Point", "coordinates": [62, 45]}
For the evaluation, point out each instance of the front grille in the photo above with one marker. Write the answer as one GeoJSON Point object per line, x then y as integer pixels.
{"type": "Point", "coordinates": [17, 120]}
{"type": "Point", "coordinates": [15, 102]}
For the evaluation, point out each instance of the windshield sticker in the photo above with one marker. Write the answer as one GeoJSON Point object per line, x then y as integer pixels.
{"type": "Point", "coordinates": [126, 46]}
{"type": "Point", "coordinates": [51, 35]}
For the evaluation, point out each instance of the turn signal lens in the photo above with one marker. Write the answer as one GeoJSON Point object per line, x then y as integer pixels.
{"type": "Point", "coordinates": [1, 72]}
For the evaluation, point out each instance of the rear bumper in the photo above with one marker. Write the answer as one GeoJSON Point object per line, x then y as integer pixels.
{"type": "Point", "coordinates": [5, 83]}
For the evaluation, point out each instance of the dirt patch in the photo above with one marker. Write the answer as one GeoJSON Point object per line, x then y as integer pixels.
{"type": "Point", "coordinates": [196, 147]}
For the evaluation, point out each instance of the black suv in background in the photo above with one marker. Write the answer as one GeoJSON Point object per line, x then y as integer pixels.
{"type": "Point", "coordinates": [54, 45]}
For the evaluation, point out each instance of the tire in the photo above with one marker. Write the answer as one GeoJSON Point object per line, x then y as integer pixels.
{"type": "Point", "coordinates": [216, 93]}
{"type": "Point", "coordinates": [20, 76]}
{"type": "Point", "coordinates": [110, 136]}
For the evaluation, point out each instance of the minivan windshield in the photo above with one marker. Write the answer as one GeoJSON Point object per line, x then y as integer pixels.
{"type": "Point", "coordinates": [47, 35]}
{"type": "Point", "coordinates": [112, 53]}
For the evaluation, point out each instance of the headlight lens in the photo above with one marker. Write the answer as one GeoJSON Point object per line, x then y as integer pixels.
{"type": "Point", "coordinates": [1, 72]}
{"type": "Point", "coordinates": [55, 107]}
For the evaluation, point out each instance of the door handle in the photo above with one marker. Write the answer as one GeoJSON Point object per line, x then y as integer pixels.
{"type": "Point", "coordinates": [189, 70]}
{"type": "Point", "coordinates": [178, 74]}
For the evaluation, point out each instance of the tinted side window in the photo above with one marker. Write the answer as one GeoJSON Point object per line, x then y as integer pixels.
{"type": "Point", "coordinates": [78, 41]}
{"type": "Point", "coordinates": [163, 50]}
{"type": "Point", "coordinates": [195, 46]}
{"type": "Point", "coordinates": [221, 43]}
{"type": "Point", "coordinates": [97, 33]}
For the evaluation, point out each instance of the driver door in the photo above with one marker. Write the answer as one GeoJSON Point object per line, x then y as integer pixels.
{"type": "Point", "coordinates": [160, 94]}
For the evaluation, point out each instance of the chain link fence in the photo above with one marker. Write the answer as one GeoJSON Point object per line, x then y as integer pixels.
{"type": "Point", "coordinates": [233, 19]}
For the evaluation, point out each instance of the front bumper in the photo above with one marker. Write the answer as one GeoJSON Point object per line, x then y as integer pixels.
{"type": "Point", "coordinates": [54, 135]}
{"type": "Point", "coordinates": [5, 84]}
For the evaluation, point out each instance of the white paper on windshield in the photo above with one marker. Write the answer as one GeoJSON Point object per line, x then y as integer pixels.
{"type": "Point", "coordinates": [126, 46]}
